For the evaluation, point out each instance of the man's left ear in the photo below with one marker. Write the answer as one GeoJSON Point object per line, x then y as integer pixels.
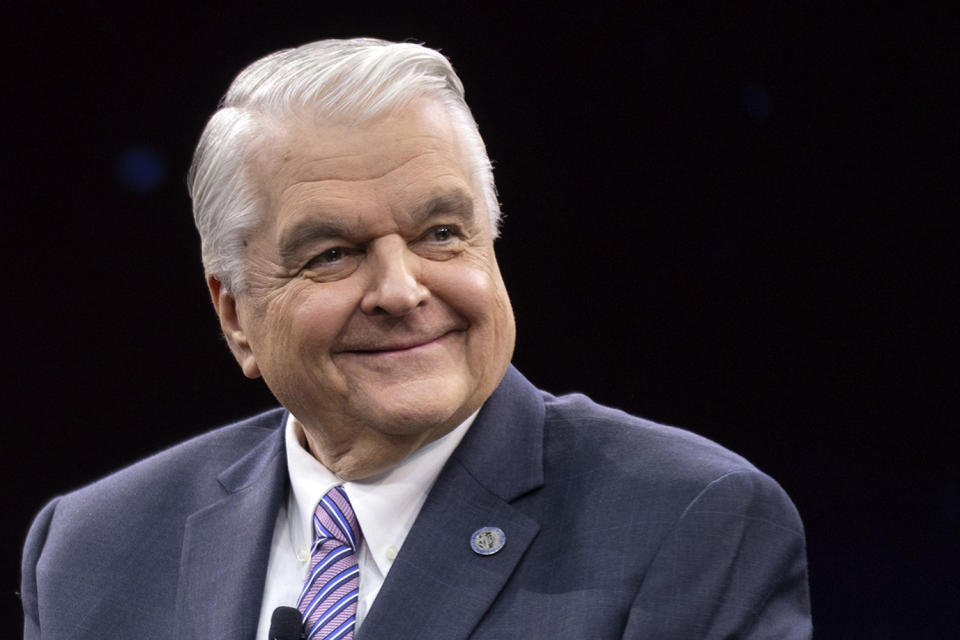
{"type": "Point", "coordinates": [225, 304]}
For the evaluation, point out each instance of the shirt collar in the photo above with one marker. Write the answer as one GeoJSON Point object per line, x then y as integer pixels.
{"type": "Point", "coordinates": [386, 504]}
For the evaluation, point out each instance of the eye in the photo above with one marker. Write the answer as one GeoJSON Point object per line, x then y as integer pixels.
{"type": "Point", "coordinates": [328, 258]}
{"type": "Point", "coordinates": [333, 260]}
{"type": "Point", "coordinates": [441, 233]}
{"type": "Point", "coordinates": [440, 242]}
{"type": "Point", "coordinates": [332, 264]}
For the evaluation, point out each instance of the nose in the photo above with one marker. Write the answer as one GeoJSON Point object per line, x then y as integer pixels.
{"type": "Point", "coordinates": [394, 286]}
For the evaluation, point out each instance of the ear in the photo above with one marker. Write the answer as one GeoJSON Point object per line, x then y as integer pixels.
{"type": "Point", "coordinates": [225, 304]}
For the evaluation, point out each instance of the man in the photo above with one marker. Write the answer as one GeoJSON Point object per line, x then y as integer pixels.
{"type": "Point", "coordinates": [414, 484]}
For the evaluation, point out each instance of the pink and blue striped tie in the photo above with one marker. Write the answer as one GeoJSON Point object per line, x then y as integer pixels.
{"type": "Point", "coordinates": [328, 600]}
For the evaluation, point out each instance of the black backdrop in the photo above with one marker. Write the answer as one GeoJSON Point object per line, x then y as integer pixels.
{"type": "Point", "coordinates": [737, 220]}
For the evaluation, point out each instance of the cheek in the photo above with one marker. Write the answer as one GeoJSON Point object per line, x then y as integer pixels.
{"type": "Point", "coordinates": [474, 290]}
{"type": "Point", "coordinates": [322, 318]}
{"type": "Point", "coordinates": [312, 316]}
{"type": "Point", "coordinates": [469, 290]}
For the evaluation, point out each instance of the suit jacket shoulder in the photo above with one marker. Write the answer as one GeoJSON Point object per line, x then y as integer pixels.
{"type": "Point", "coordinates": [188, 470]}
{"type": "Point", "coordinates": [108, 556]}
{"type": "Point", "coordinates": [612, 440]}
{"type": "Point", "coordinates": [721, 546]}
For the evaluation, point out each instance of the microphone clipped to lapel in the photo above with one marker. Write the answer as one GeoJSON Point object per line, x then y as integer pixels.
{"type": "Point", "coordinates": [286, 623]}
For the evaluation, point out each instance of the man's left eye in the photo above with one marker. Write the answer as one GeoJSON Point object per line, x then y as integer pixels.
{"type": "Point", "coordinates": [441, 233]}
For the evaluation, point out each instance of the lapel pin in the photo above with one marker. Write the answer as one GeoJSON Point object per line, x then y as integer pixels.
{"type": "Point", "coordinates": [486, 541]}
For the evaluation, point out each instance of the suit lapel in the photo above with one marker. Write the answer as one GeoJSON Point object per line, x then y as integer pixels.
{"type": "Point", "coordinates": [226, 548]}
{"type": "Point", "coordinates": [438, 587]}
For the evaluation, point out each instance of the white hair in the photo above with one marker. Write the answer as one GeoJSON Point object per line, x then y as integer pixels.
{"type": "Point", "coordinates": [343, 81]}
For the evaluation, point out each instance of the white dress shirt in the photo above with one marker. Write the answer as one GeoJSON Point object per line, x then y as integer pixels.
{"type": "Point", "coordinates": [386, 506]}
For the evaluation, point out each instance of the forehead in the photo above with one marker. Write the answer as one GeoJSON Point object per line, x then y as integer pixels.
{"type": "Point", "coordinates": [405, 153]}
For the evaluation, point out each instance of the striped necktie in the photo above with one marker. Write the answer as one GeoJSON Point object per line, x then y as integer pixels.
{"type": "Point", "coordinates": [328, 600]}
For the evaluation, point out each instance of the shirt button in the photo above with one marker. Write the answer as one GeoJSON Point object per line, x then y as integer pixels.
{"type": "Point", "coordinates": [302, 554]}
{"type": "Point", "coordinates": [391, 553]}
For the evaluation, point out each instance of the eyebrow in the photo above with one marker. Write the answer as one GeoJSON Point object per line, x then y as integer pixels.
{"type": "Point", "coordinates": [312, 229]}
{"type": "Point", "coordinates": [308, 231]}
{"type": "Point", "coordinates": [455, 202]}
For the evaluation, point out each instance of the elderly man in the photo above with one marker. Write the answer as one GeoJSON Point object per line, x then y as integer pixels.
{"type": "Point", "coordinates": [413, 485]}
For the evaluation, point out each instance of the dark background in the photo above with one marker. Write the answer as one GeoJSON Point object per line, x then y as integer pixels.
{"type": "Point", "coordinates": [741, 220]}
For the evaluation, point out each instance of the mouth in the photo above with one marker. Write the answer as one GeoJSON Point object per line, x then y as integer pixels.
{"type": "Point", "coordinates": [403, 345]}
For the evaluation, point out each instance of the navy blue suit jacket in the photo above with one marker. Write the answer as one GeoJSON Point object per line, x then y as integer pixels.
{"type": "Point", "coordinates": [615, 527]}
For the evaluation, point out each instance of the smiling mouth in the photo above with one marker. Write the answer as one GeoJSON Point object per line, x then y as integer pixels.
{"type": "Point", "coordinates": [399, 346]}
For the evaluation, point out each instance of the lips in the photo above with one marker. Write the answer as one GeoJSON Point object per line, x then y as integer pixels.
{"type": "Point", "coordinates": [394, 344]}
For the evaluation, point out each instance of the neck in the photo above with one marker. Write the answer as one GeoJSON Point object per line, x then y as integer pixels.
{"type": "Point", "coordinates": [365, 455]}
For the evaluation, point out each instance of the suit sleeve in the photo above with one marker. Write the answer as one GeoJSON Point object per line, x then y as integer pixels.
{"type": "Point", "coordinates": [36, 539]}
{"type": "Point", "coordinates": [734, 566]}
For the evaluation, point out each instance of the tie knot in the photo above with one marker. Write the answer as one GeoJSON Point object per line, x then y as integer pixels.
{"type": "Point", "coordinates": [334, 518]}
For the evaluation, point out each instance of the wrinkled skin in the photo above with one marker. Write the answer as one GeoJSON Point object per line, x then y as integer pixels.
{"type": "Point", "coordinates": [374, 307]}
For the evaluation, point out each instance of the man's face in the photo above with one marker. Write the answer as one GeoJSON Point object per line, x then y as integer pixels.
{"type": "Point", "coordinates": [375, 310]}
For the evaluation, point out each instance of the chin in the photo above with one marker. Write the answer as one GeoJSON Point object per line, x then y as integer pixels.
{"type": "Point", "coordinates": [416, 413]}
